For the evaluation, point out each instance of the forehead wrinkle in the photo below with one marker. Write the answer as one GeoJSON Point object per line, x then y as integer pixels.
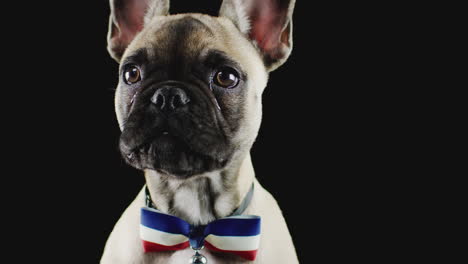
{"type": "Point", "coordinates": [191, 36]}
{"type": "Point", "coordinates": [187, 35]}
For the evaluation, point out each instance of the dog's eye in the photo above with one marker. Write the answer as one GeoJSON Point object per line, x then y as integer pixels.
{"type": "Point", "coordinates": [226, 77]}
{"type": "Point", "coordinates": [132, 74]}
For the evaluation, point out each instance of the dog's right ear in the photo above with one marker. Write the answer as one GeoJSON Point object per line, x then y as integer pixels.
{"type": "Point", "coordinates": [127, 19]}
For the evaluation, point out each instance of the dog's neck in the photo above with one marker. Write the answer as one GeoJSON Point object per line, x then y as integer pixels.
{"type": "Point", "coordinates": [202, 198]}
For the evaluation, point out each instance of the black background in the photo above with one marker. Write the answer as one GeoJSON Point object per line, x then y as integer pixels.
{"type": "Point", "coordinates": [318, 151]}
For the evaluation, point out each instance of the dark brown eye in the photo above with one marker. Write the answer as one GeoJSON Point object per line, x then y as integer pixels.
{"type": "Point", "coordinates": [226, 78]}
{"type": "Point", "coordinates": [132, 74]}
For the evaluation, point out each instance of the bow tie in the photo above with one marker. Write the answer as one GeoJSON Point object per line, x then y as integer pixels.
{"type": "Point", "coordinates": [239, 234]}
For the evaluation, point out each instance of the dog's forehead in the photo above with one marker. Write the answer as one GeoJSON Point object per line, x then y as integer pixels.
{"type": "Point", "coordinates": [187, 34]}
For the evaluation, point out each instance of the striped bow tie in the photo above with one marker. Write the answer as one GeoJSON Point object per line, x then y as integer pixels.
{"type": "Point", "coordinates": [239, 235]}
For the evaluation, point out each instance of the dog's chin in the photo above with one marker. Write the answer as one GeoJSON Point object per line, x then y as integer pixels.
{"type": "Point", "coordinates": [169, 155]}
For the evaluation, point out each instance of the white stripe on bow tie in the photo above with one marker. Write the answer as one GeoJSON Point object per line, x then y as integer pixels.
{"type": "Point", "coordinates": [235, 243]}
{"type": "Point", "coordinates": [159, 237]}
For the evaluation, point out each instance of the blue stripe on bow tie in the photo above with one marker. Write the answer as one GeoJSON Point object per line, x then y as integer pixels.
{"type": "Point", "coordinates": [158, 220]}
{"type": "Point", "coordinates": [247, 225]}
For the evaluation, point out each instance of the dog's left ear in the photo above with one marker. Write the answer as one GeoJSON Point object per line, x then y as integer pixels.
{"type": "Point", "coordinates": [268, 23]}
{"type": "Point", "coordinates": [127, 18]}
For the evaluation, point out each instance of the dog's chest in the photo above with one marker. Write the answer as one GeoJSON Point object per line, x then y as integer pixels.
{"type": "Point", "coordinates": [201, 201]}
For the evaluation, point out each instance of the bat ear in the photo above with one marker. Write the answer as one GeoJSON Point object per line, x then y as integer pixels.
{"type": "Point", "coordinates": [127, 19]}
{"type": "Point", "coordinates": [267, 23]}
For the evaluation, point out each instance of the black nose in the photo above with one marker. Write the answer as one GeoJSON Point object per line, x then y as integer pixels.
{"type": "Point", "coordinates": [169, 98]}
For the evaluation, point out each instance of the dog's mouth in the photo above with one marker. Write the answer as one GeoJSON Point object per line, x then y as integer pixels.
{"type": "Point", "coordinates": [175, 138]}
{"type": "Point", "coordinates": [169, 153]}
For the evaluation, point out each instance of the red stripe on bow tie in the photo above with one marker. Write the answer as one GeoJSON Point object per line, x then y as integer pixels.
{"type": "Point", "coordinates": [152, 247]}
{"type": "Point", "coordinates": [249, 255]}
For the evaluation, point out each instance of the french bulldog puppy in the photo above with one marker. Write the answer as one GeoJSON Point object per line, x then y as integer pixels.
{"type": "Point", "coordinates": [189, 107]}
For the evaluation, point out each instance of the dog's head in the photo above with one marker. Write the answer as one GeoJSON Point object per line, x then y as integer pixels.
{"type": "Point", "coordinates": [189, 94]}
